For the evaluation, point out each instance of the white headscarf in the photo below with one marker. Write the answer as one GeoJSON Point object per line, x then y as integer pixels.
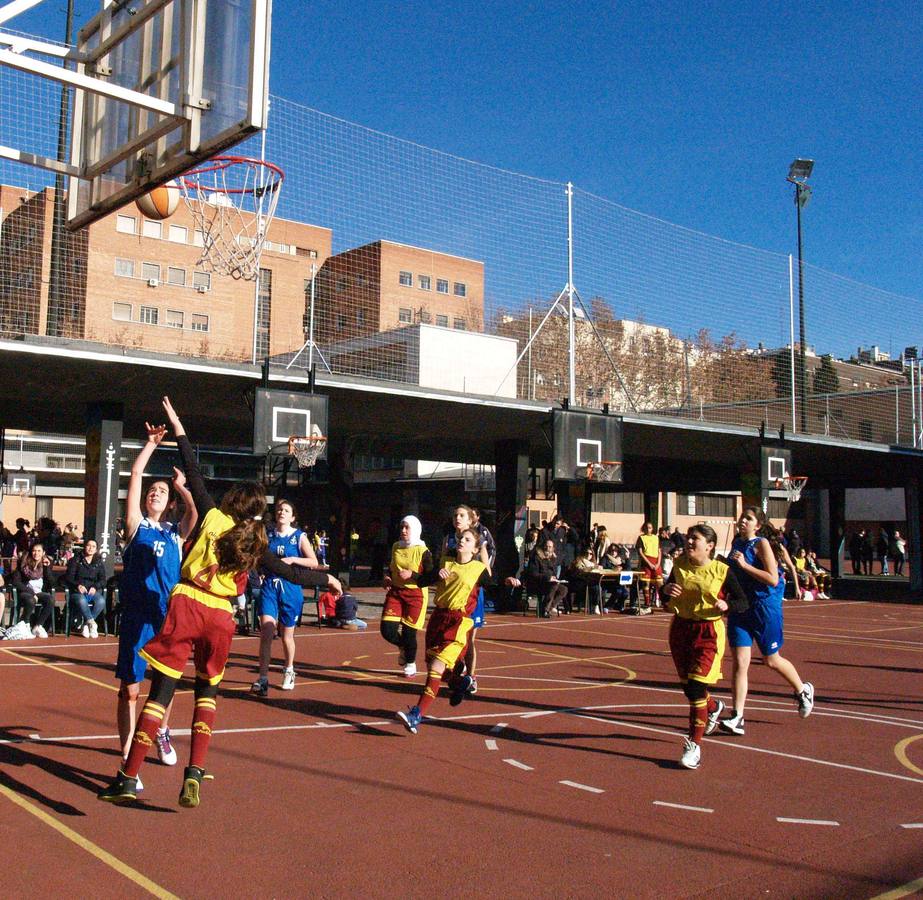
{"type": "Point", "coordinates": [416, 529]}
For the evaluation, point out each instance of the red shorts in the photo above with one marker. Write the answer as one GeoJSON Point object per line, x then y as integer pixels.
{"type": "Point", "coordinates": [650, 574]}
{"type": "Point", "coordinates": [405, 604]}
{"type": "Point", "coordinates": [327, 605]}
{"type": "Point", "coordinates": [447, 635]}
{"type": "Point", "coordinates": [697, 648]}
{"type": "Point", "coordinates": [192, 627]}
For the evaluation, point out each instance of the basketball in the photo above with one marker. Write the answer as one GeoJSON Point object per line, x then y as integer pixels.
{"type": "Point", "coordinates": [161, 202]}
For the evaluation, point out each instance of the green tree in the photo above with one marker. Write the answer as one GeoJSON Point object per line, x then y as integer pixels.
{"type": "Point", "coordinates": [826, 380]}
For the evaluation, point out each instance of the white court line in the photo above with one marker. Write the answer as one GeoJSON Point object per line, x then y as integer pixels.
{"type": "Point", "coordinates": [498, 728]}
{"type": "Point", "coordinates": [10, 665]}
{"type": "Point", "coordinates": [490, 743]}
{"type": "Point", "coordinates": [807, 821]}
{"type": "Point", "coordinates": [582, 787]}
{"type": "Point", "coordinates": [703, 809]}
{"type": "Point", "coordinates": [913, 825]}
{"type": "Point", "coordinates": [519, 765]}
{"type": "Point", "coordinates": [538, 714]}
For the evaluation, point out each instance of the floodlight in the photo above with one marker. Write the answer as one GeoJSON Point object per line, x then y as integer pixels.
{"type": "Point", "coordinates": [800, 169]}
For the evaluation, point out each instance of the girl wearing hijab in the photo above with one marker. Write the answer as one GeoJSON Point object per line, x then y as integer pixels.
{"type": "Point", "coordinates": [405, 601]}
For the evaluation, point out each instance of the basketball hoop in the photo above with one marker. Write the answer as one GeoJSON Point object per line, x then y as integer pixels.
{"type": "Point", "coordinates": [604, 471]}
{"type": "Point", "coordinates": [306, 449]}
{"type": "Point", "coordinates": [793, 485]}
{"type": "Point", "coordinates": [232, 200]}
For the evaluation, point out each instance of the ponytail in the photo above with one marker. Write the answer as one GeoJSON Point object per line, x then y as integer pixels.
{"type": "Point", "coordinates": [240, 548]}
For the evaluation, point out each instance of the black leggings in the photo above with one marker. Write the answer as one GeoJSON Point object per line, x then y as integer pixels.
{"type": "Point", "coordinates": [401, 636]}
{"type": "Point", "coordinates": [40, 605]}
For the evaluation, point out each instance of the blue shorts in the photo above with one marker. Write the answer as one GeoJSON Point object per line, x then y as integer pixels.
{"type": "Point", "coordinates": [282, 601]}
{"type": "Point", "coordinates": [478, 615]}
{"type": "Point", "coordinates": [135, 630]}
{"type": "Point", "coordinates": [760, 623]}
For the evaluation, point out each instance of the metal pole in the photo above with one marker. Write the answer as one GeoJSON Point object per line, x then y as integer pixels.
{"type": "Point", "coordinates": [919, 405]}
{"type": "Point", "coordinates": [897, 414]}
{"type": "Point", "coordinates": [530, 389]}
{"type": "Point", "coordinates": [801, 339]}
{"type": "Point", "coordinates": [913, 404]}
{"type": "Point", "coordinates": [311, 321]}
{"type": "Point", "coordinates": [256, 283]}
{"type": "Point", "coordinates": [791, 331]}
{"type": "Point", "coordinates": [572, 383]}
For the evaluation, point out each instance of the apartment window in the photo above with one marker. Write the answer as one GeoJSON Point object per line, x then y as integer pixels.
{"type": "Point", "coordinates": [121, 312]}
{"type": "Point", "coordinates": [125, 268]}
{"type": "Point", "coordinates": [442, 286]}
{"type": "Point", "coordinates": [126, 224]}
{"type": "Point", "coordinates": [714, 506]}
{"type": "Point", "coordinates": [405, 315]}
{"type": "Point", "coordinates": [178, 234]}
{"type": "Point", "coordinates": [174, 318]}
{"type": "Point", "coordinates": [306, 251]}
{"type": "Point", "coordinates": [199, 322]}
{"type": "Point", "coordinates": [198, 238]}
{"type": "Point", "coordinates": [618, 502]}
{"type": "Point", "coordinates": [176, 275]}
{"type": "Point", "coordinates": [442, 321]}
{"type": "Point", "coordinates": [461, 289]}
{"type": "Point", "coordinates": [149, 315]}
{"type": "Point", "coordinates": [424, 316]}
{"type": "Point", "coordinates": [341, 285]}
{"type": "Point", "coordinates": [202, 280]}
{"type": "Point", "coordinates": [152, 229]}
{"type": "Point", "coordinates": [459, 324]}
{"type": "Point", "coordinates": [361, 280]}
{"type": "Point", "coordinates": [426, 283]}
{"type": "Point", "coordinates": [341, 321]}
{"type": "Point", "coordinates": [150, 271]}
{"type": "Point", "coordinates": [406, 279]}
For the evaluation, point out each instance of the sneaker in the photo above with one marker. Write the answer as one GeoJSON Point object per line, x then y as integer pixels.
{"type": "Point", "coordinates": [94, 629]}
{"type": "Point", "coordinates": [735, 724]}
{"type": "Point", "coordinates": [192, 781]}
{"type": "Point", "coordinates": [165, 747]}
{"type": "Point", "coordinates": [85, 631]}
{"type": "Point", "coordinates": [692, 754]}
{"type": "Point", "coordinates": [288, 680]}
{"type": "Point", "coordinates": [120, 790]}
{"type": "Point", "coordinates": [410, 670]}
{"type": "Point", "coordinates": [805, 700]}
{"type": "Point", "coordinates": [461, 687]}
{"type": "Point", "coordinates": [411, 718]}
{"type": "Point", "coordinates": [712, 724]}
{"type": "Point", "coordinates": [260, 687]}
{"type": "Point", "coordinates": [40, 632]}
{"type": "Point", "coordinates": [473, 688]}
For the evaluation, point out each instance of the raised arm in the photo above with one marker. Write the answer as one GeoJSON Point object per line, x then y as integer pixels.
{"type": "Point", "coordinates": [196, 484]}
{"type": "Point", "coordinates": [190, 513]}
{"type": "Point", "coordinates": [133, 512]}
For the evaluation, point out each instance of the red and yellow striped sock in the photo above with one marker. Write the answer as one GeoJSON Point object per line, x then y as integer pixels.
{"type": "Point", "coordinates": [143, 739]}
{"type": "Point", "coordinates": [203, 719]}
{"type": "Point", "coordinates": [429, 691]}
{"type": "Point", "coordinates": [698, 717]}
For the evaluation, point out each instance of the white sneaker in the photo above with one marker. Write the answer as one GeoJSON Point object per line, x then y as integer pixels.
{"type": "Point", "coordinates": [165, 747]}
{"type": "Point", "coordinates": [94, 629]}
{"type": "Point", "coordinates": [410, 670]}
{"type": "Point", "coordinates": [288, 680]}
{"type": "Point", "coordinates": [805, 700]}
{"type": "Point", "coordinates": [735, 724]}
{"type": "Point", "coordinates": [712, 724]}
{"type": "Point", "coordinates": [85, 631]}
{"type": "Point", "coordinates": [40, 632]}
{"type": "Point", "coordinates": [692, 754]}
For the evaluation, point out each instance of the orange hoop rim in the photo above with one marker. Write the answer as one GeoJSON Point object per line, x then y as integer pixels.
{"type": "Point", "coordinates": [218, 163]}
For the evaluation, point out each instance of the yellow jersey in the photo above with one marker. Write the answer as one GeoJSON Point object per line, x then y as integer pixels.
{"type": "Point", "coordinates": [702, 587]}
{"type": "Point", "coordinates": [459, 590]}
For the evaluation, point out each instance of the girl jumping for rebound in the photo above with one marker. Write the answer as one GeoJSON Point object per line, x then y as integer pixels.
{"type": "Point", "coordinates": [450, 626]}
{"type": "Point", "coordinates": [229, 541]}
{"type": "Point", "coordinates": [405, 603]}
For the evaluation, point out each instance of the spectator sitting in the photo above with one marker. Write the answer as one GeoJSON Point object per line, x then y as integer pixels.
{"type": "Point", "coordinates": [582, 566]}
{"type": "Point", "coordinates": [542, 578]}
{"type": "Point", "coordinates": [616, 594]}
{"type": "Point", "coordinates": [821, 575]}
{"type": "Point", "coordinates": [85, 581]}
{"type": "Point", "coordinates": [347, 613]}
{"type": "Point", "coordinates": [805, 577]}
{"type": "Point", "coordinates": [35, 585]}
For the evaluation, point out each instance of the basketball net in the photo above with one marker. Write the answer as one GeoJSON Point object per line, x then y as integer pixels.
{"type": "Point", "coordinates": [604, 471]}
{"type": "Point", "coordinates": [793, 485]}
{"type": "Point", "coordinates": [232, 200]}
{"type": "Point", "coordinates": [306, 449]}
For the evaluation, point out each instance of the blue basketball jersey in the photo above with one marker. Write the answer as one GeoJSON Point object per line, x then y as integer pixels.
{"type": "Point", "coordinates": [287, 545]}
{"type": "Point", "coordinates": [757, 592]}
{"type": "Point", "coordinates": [151, 562]}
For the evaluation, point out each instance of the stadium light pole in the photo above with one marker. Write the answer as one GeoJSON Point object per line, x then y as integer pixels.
{"type": "Point", "coordinates": [798, 174]}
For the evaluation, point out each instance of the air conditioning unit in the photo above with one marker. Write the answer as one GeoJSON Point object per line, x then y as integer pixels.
{"type": "Point", "coordinates": [200, 288]}
{"type": "Point", "coordinates": [152, 282]}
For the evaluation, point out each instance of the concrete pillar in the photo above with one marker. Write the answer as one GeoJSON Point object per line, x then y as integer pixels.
{"type": "Point", "coordinates": [652, 508]}
{"type": "Point", "coordinates": [836, 526]}
{"type": "Point", "coordinates": [511, 461]}
{"type": "Point", "coordinates": [914, 533]}
{"type": "Point", "coordinates": [101, 485]}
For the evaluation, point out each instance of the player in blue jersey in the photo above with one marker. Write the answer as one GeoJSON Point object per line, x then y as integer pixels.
{"type": "Point", "coordinates": [758, 560]}
{"type": "Point", "coordinates": [281, 600]}
{"type": "Point", "coordinates": [151, 568]}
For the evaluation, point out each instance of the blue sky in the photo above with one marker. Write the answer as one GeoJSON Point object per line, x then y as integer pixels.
{"type": "Point", "coordinates": [687, 112]}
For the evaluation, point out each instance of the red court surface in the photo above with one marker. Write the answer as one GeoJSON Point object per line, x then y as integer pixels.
{"type": "Point", "coordinates": [559, 779]}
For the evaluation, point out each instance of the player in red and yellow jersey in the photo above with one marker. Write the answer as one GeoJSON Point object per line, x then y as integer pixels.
{"type": "Point", "coordinates": [450, 626]}
{"type": "Point", "coordinates": [227, 543]}
{"type": "Point", "coordinates": [700, 591]}
{"type": "Point", "coordinates": [650, 565]}
{"type": "Point", "coordinates": [405, 603]}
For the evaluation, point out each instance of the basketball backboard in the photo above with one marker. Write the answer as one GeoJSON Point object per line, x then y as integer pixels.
{"type": "Point", "coordinates": [20, 484]}
{"type": "Point", "coordinates": [580, 438]}
{"type": "Point", "coordinates": [279, 415]}
{"type": "Point", "coordinates": [775, 464]}
{"type": "Point", "coordinates": [156, 87]}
